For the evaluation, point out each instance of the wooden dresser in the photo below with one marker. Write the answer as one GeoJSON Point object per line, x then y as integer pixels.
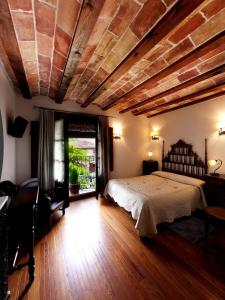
{"type": "Point", "coordinates": [4, 202]}
{"type": "Point", "coordinates": [215, 190]}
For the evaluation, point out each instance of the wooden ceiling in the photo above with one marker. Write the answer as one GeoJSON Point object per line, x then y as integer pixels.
{"type": "Point", "coordinates": [144, 56]}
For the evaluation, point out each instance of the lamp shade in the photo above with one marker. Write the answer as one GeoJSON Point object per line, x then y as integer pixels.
{"type": "Point", "coordinates": [150, 154]}
{"type": "Point", "coordinates": [215, 162]}
{"type": "Point", "coordinates": [212, 162]}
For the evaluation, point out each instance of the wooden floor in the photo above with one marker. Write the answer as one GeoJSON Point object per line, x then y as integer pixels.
{"type": "Point", "coordinates": [93, 252]}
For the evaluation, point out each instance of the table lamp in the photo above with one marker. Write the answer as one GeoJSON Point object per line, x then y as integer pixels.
{"type": "Point", "coordinates": [217, 163]}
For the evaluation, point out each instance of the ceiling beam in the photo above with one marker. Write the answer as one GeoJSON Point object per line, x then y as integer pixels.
{"type": "Point", "coordinates": [217, 89]}
{"type": "Point", "coordinates": [90, 11]}
{"type": "Point", "coordinates": [198, 79]}
{"type": "Point", "coordinates": [10, 44]}
{"type": "Point", "coordinates": [200, 51]}
{"type": "Point", "coordinates": [174, 16]}
{"type": "Point", "coordinates": [188, 104]}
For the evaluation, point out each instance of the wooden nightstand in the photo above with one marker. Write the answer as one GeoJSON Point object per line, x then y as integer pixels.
{"type": "Point", "coordinates": [149, 166]}
{"type": "Point", "coordinates": [215, 190]}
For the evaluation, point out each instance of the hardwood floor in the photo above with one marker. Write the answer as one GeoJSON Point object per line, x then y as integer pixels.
{"type": "Point", "coordinates": [93, 252]}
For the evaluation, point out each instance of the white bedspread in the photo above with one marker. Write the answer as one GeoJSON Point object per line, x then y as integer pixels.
{"type": "Point", "coordinates": [157, 198]}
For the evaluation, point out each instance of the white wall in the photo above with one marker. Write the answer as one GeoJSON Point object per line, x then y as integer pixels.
{"type": "Point", "coordinates": [7, 106]}
{"type": "Point", "coordinates": [128, 152]}
{"type": "Point", "coordinates": [192, 124]}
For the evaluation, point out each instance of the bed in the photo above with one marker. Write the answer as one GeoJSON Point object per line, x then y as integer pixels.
{"type": "Point", "coordinates": [163, 196]}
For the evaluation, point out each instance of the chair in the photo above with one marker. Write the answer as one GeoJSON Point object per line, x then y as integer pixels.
{"type": "Point", "coordinates": [56, 201]}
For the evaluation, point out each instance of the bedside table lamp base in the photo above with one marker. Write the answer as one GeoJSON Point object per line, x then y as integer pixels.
{"type": "Point", "coordinates": [214, 174]}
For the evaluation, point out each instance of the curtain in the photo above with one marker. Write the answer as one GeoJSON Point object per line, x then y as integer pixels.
{"type": "Point", "coordinates": [102, 154]}
{"type": "Point", "coordinates": [46, 150]}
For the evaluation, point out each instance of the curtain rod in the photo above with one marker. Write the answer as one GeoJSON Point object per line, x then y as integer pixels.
{"type": "Point", "coordinates": [71, 112]}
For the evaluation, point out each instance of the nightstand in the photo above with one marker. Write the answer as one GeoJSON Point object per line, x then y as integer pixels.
{"type": "Point", "coordinates": [149, 166]}
{"type": "Point", "coordinates": [215, 190]}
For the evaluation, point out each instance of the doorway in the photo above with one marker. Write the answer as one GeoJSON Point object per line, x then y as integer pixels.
{"type": "Point", "coordinates": [82, 166]}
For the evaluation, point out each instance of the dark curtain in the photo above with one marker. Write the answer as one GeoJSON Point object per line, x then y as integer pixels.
{"type": "Point", "coordinates": [102, 169]}
{"type": "Point", "coordinates": [45, 151]}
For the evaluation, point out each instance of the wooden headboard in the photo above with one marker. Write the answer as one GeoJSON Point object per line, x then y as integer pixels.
{"type": "Point", "coordinates": [181, 159]}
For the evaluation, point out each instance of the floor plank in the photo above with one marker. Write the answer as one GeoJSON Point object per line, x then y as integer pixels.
{"type": "Point", "coordinates": [94, 252]}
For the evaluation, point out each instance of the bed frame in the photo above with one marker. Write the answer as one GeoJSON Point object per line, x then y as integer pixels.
{"type": "Point", "coordinates": [181, 159]}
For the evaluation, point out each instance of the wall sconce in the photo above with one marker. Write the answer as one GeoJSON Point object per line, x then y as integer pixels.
{"type": "Point", "coordinates": [221, 130]}
{"type": "Point", "coordinates": [221, 126]}
{"type": "Point", "coordinates": [215, 162]}
{"type": "Point", "coordinates": [155, 135]}
{"type": "Point", "coordinates": [117, 132]}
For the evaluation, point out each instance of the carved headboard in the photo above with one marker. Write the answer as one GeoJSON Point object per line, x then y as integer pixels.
{"type": "Point", "coordinates": [181, 159]}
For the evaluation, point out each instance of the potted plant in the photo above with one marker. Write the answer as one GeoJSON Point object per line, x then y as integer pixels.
{"type": "Point", "coordinates": [73, 180]}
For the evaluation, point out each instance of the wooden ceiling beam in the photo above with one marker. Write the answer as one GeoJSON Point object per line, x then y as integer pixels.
{"type": "Point", "coordinates": [217, 89]}
{"type": "Point", "coordinates": [174, 16]}
{"type": "Point", "coordinates": [200, 51]}
{"type": "Point", "coordinates": [198, 79]}
{"type": "Point", "coordinates": [11, 47]}
{"type": "Point", "coordinates": [188, 104]}
{"type": "Point", "coordinates": [90, 11]}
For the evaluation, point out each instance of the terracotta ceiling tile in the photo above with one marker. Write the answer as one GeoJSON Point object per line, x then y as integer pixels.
{"type": "Point", "coordinates": [44, 67]}
{"type": "Point", "coordinates": [44, 84]}
{"type": "Point", "coordinates": [109, 8]}
{"type": "Point", "coordinates": [212, 63]}
{"type": "Point", "coordinates": [106, 44]}
{"type": "Point", "coordinates": [59, 60]}
{"type": "Point", "coordinates": [28, 50]}
{"type": "Point", "coordinates": [55, 83]}
{"type": "Point", "coordinates": [67, 15]}
{"type": "Point", "coordinates": [87, 54]}
{"type": "Point", "coordinates": [147, 17]}
{"type": "Point", "coordinates": [139, 66]}
{"type": "Point", "coordinates": [188, 75]}
{"type": "Point", "coordinates": [45, 44]}
{"type": "Point", "coordinates": [56, 74]}
{"type": "Point", "coordinates": [154, 68]}
{"type": "Point", "coordinates": [62, 41]}
{"type": "Point", "coordinates": [30, 67]}
{"type": "Point", "coordinates": [20, 4]}
{"type": "Point", "coordinates": [213, 7]}
{"type": "Point", "coordinates": [111, 62]}
{"type": "Point", "coordinates": [101, 75]}
{"type": "Point", "coordinates": [88, 73]}
{"type": "Point", "coordinates": [24, 25]}
{"type": "Point", "coordinates": [158, 51]}
{"type": "Point", "coordinates": [179, 51]}
{"type": "Point", "coordinates": [45, 18]}
{"type": "Point", "coordinates": [209, 29]}
{"type": "Point", "coordinates": [33, 83]}
{"type": "Point", "coordinates": [193, 23]}
{"type": "Point", "coordinates": [97, 32]}
{"type": "Point", "coordinates": [127, 11]}
{"type": "Point", "coordinates": [127, 42]}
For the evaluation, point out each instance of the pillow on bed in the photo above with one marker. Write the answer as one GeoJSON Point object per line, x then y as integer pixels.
{"type": "Point", "coordinates": [180, 178]}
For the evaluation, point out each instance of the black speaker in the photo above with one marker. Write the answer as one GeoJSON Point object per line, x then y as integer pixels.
{"type": "Point", "coordinates": [18, 127]}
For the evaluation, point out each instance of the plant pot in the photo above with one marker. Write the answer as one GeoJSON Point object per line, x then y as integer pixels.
{"type": "Point", "coordinates": [74, 188]}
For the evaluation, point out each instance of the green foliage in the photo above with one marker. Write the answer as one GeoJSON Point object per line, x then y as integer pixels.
{"type": "Point", "coordinates": [73, 174]}
{"type": "Point", "coordinates": [75, 153]}
{"type": "Point", "coordinates": [77, 163]}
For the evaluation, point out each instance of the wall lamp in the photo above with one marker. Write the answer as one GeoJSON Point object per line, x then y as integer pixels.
{"type": "Point", "coordinates": [221, 130]}
{"type": "Point", "coordinates": [215, 162]}
{"type": "Point", "coordinates": [117, 132]}
{"type": "Point", "coordinates": [155, 135]}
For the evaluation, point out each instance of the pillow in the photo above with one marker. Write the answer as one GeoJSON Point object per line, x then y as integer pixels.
{"type": "Point", "coordinates": [180, 178]}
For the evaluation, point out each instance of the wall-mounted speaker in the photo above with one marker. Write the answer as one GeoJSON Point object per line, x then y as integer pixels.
{"type": "Point", "coordinates": [18, 127]}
